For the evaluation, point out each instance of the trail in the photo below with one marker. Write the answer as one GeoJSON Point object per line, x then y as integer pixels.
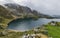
{"type": "Point", "coordinates": [42, 35]}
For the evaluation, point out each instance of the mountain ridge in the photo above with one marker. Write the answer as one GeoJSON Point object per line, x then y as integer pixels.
{"type": "Point", "coordinates": [24, 9]}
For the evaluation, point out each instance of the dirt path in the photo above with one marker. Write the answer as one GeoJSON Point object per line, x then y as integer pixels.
{"type": "Point", "coordinates": [42, 35]}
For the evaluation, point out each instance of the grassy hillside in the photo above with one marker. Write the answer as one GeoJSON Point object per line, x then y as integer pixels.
{"type": "Point", "coordinates": [5, 13]}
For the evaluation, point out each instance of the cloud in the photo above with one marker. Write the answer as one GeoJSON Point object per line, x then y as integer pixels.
{"type": "Point", "coordinates": [47, 6]}
{"type": "Point", "coordinates": [9, 1]}
{"type": "Point", "coordinates": [51, 7]}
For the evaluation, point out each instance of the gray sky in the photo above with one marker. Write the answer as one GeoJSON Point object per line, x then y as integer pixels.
{"type": "Point", "coordinates": [51, 7]}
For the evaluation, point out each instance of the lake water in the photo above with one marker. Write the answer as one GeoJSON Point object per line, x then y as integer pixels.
{"type": "Point", "coordinates": [28, 24]}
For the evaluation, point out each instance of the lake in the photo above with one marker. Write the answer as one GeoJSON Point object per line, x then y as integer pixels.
{"type": "Point", "coordinates": [28, 24]}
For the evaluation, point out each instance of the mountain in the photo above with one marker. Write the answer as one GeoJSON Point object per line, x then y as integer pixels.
{"type": "Point", "coordinates": [20, 11]}
{"type": "Point", "coordinates": [15, 11]}
{"type": "Point", "coordinates": [24, 11]}
{"type": "Point", "coordinates": [56, 16]}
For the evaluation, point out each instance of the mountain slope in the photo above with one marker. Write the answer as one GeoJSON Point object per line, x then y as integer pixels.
{"type": "Point", "coordinates": [4, 12]}
{"type": "Point", "coordinates": [20, 10]}
{"type": "Point", "coordinates": [24, 10]}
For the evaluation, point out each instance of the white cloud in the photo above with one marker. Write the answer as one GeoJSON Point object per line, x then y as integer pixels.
{"type": "Point", "coordinates": [47, 6]}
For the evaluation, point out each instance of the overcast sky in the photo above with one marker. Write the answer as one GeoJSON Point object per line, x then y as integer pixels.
{"type": "Point", "coordinates": [51, 7]}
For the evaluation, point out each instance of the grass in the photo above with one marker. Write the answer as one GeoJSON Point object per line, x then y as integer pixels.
{"type": "Point", "coordinates": [53, 31]}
